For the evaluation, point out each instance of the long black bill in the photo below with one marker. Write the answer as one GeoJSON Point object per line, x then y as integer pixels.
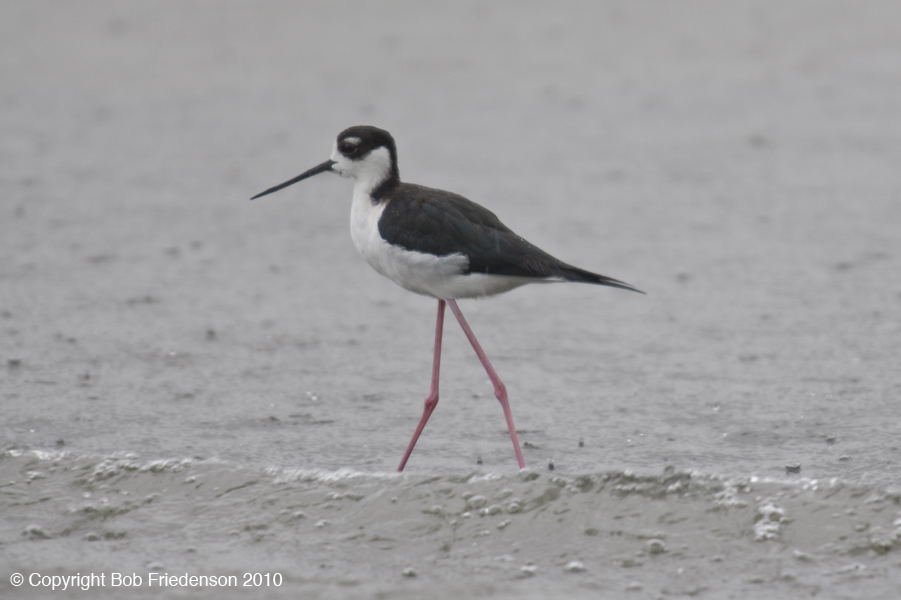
{"type": "Point", "coordinates": [326, 166]}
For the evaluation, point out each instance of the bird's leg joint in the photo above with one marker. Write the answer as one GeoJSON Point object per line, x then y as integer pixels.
{"type": "Point", "coordinates": [500, 391]}
{"type": "Point", "coordinates": [431, 401]}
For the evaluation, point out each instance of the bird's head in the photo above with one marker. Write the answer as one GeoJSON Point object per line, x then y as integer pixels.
{"type": "Point", "coordinates": [363, 152]}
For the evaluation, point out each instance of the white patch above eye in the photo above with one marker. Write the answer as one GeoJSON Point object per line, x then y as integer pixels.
{"type": "Point", "coordinates": [348, 145]}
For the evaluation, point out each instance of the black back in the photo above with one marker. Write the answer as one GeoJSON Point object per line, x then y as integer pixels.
{"type": "Point", "coordinates": [436, 222]}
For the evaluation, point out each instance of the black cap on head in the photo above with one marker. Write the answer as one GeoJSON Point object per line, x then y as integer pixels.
{"type": "Point", "coordinates": [358, 141]}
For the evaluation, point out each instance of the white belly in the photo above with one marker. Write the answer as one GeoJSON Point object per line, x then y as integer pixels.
{"type": "Point", "coordinates": [440, 277]}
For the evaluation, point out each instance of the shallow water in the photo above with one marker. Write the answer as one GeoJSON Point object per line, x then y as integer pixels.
{"type": "Point", "coordinates": [735, 161]}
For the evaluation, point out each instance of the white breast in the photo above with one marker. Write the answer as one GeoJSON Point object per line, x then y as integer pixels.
{"type": "Point", "coordinates": [436, 276]}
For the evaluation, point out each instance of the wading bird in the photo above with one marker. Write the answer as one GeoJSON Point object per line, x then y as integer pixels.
{"type": "Point", "coordinates": [437, 244]}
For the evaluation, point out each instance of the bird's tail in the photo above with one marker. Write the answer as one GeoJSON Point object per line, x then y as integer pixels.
{"type": "Point", "coordinates": [570, 273]}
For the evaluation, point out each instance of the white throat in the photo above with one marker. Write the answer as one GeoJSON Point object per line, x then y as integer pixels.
{"type": "Point", "coordinates": [368, 172]}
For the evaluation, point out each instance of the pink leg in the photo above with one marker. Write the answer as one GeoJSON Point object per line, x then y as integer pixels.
{"type": "Point", "coordinates": [499, 390]}
{"type": "Point", "coordinates": [431, 400]}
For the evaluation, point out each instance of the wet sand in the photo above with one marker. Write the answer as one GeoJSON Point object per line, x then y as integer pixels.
{"type": "Point", "coordinates": [184, 372]}
{"type": "Point", "coordinates": [533, 535]}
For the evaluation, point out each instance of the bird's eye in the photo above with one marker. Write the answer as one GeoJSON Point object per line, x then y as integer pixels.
{"type": "Point", "coordinates": [347, 147]}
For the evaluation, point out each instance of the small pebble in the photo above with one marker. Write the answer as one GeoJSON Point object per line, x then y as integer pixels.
{"type": "Point", "coordinates": [476, 502]}
{"type": "Point", "coordinates": [550, 464]}
{"type": "Point", "coordinates": [793, 468]}
{"type": "Point", "coordinates": [801, 555]}
{"type": "Point", "coordinates": [528, 569]}
{"type": "Point", "coordinates": [91, 537]}
{"type": "Point", "coordinates": [479, 460]}
{"type": "Point", "coordinates": [844, 457]}
{"type": "Point", "coordinates": [830, 439]}
{"type": "Point", "coordinates": [35, 532]}
{"type": "Point", "coordinates": [574, 566]}
{"type": "Point", "coordinates": [852, 567]}
{"type": "Point", "coordinates": [655, 546]}
{"type": "Point", "coordinates": [322, 523]}
{"type": "Point", "coordinates": [634, 586]}
{"type": "Point", "coordinates": [409, 572]}
{"type": "Point", "coordinates": [503, 524]}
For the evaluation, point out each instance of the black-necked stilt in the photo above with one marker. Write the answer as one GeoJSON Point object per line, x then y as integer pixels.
{"type": "Point", "coordinates": [437, 244]}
